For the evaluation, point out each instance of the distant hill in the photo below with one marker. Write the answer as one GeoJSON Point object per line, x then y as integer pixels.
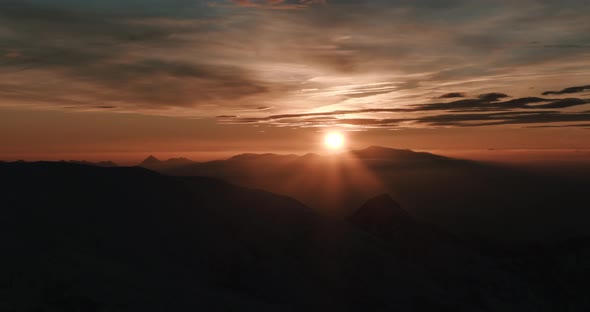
{"type": "Point", "coordinates": [378, 152]}
{"type": "Point", "coordinates": [467, 197]}
{"type": "Point", "coordinates": [334, 184]}
{"type": "Point", "coordinates": [152, 162]}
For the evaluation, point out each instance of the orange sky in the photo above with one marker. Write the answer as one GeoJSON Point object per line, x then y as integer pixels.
{"type": "Point", "coordinates": [208, 79]}
{"type": "Point", "coordinates": [128, 138]}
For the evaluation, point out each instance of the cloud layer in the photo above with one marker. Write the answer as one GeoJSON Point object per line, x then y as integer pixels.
{"type": "Point", "coordinates": [349, 63]}
{"type": "Point", "coordinates": [484, 110]}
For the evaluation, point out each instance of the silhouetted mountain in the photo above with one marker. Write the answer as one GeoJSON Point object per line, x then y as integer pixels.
{"type": "Point", "coordinates": [86, 238]}
{"type": "Point", "coordinates": [415, 240]}
{"type": "Point", "coordinates": [178, 161]}
{"type": "Point", "coordinates": [78, 237]}
{"type": "Point", "coordinates": [469, 198]}
{"type": "Point", "coordinates": [382, 216]}
{"type": "Point", "coordinates": [152, 162]}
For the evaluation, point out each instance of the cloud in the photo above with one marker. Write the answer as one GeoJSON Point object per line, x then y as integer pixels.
{"type": "Point", "coordinates": [149, 84]}
{"type": "Point", "coordinates": [486, 110]}
{"type": "Point", "coordinates": [277, 4]}
{"type": "Point", "coordinates": [492, 97]}
{"type": "Point", "coordinates": [452, 95]}
{"type": "Point", "coordinates": [80, 57]}
{"type": "Point", "coordinates": [567, 46]}
{"type": "Point", "coordinates": [568, 90]}
{"type": "Point", "coordinates": [155, 82]}
{"type": "Point", "coordinates": [503, 118]}
{"type": "Point", "coordinates": [445, 120]}
{"type": "Point", "coordinates": [585, 126]}
{"type": "Point", "coordinates": [564, 103]}
{"type": "Point", "coordinates": [299, 63]}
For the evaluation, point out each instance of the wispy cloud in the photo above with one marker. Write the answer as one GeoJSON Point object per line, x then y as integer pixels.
{"type": "Point", "coordinates": [485, 110]}
{"type": "Point", "coordinates": [568, 90]}
{"type": "Point", "coordinates": [277, 4]}
{"type": "Point", "coordinates": [299, 63]}
{"type": "Point", "coordinates": [452, 95]}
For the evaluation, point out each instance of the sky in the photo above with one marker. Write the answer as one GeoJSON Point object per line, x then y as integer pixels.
{"type": "Point", "coordinates": [205, 78]}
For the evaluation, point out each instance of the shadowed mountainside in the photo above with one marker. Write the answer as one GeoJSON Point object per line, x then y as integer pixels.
{"type": "Point", "coordinates": [467, 197]}
{"type": "Point", "coordinates": [85, 238]}
{"type": "Point", "coordinates": [130, 239]}
{"type": "Point", "coordinates": [553, 274]}
{"type": "Point", "coordinates": [99, 164]}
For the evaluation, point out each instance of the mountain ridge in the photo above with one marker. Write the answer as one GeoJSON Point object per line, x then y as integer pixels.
{"type": "Point", "coordinates": [154, 163]}
{"type": "Point", "coordinates": [369, 152]}
{"type": "Point", "coordinates": [198, 241]}
{"type": "Point", "coordinates": [91, 235]}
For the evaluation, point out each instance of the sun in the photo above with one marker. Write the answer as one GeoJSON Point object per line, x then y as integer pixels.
{"type": "Point", "coordinates": [334, 140]}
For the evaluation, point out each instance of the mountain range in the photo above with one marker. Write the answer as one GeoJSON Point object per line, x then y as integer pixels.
{"type": "Point", "coordinates": [466, 197]}
{"type": "Point", "coordinates": [85, 238]}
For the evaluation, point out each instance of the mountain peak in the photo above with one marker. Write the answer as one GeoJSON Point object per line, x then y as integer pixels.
{"type": "Point", "coordinates": [381, 215]}
{"type": "Point", "coordinates": [150, 161]}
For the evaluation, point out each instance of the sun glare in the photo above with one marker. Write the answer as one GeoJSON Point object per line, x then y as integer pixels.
{"type": "Point", "coordinates": [334, 140]}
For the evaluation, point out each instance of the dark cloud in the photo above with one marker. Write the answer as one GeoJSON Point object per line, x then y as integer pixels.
{"type": "Point", "coordinates": [492, 103]}
{"type": "Point", "coordinates": [446, 120]}
{"type": "Point", "coordinates": [567, 46]}
{"type": "Point", "coordinates": [492, 97]}
{"type": "Point", "coordinates": [331, 113]}
{"type": "Point", "coordinates": [568, 90]}
{"type": "Point", "coordinates": [277, 4]}
{"type": "Point", "coordinates": [496, 119]}
{"type": "Point", "coordinates": [173, 83]}
{"type": "Point", "coordinates": [486, 110]}
{"type": "Point", "coordinates": [522, 102]}
{"type": "Point", "coordinates": [584, 125]}
{"type": "Point", "coordinates": [149, 83]}
{"type": "Point", "coordinates": [482, 104]}
{"type": "Point", "coordinates": [452, 95]}
{"type": "Point", "coordinates": [467, 104]}
{"type": "Point", "coordinates": [99, 56]}
{"type": "Point", "coordinates": [63, 25]}
{"type": "Point", "coordinates": [480, 119]}
{"type": "Point", "coordinates": [564, 103]}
